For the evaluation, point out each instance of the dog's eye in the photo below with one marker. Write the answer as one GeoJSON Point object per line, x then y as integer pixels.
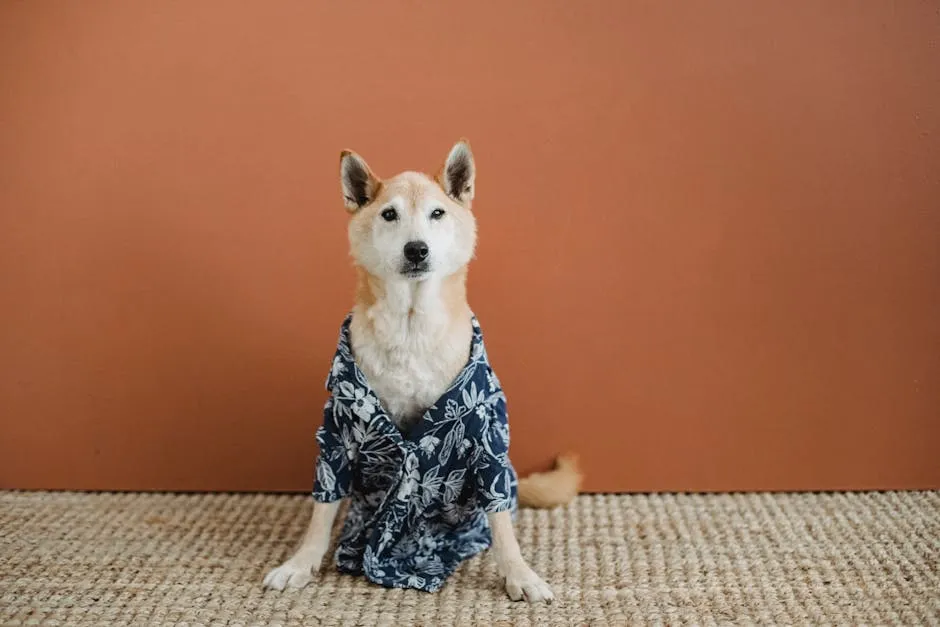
{"type": "Point", "coordinates": [389, 215]}
{"type": "Point", "coordinates": [437, 214]}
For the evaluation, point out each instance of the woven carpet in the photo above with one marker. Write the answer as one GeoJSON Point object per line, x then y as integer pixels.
{"type": "Point", "coordinates": [163, 559]}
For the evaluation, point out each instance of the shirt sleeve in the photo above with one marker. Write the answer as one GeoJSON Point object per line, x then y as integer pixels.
{"type": "Point", "coordinates": [494, 474]}
{"type": "Point", "coordinates": [334, 463]}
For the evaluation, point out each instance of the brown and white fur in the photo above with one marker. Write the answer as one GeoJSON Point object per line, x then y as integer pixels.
{"type": "Point", "coordinates": [411, 238]}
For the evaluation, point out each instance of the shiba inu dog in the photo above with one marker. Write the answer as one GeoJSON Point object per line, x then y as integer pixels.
{"type": "Point", "coordinates": [411, 334]}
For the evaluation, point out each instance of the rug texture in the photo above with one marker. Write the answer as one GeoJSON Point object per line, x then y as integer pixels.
{"type": "Point", "coordinates": [162, 559]}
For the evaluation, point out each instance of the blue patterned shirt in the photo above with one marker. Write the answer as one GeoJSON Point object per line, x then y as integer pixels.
{"type": "Point", "coordinates": [418, 501]}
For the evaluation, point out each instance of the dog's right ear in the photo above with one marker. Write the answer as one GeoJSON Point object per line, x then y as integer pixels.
{"type": "Point", "coordinates": [360, 186]}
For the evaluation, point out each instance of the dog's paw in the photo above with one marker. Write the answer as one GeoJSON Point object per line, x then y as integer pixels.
{"type": "Point", "coordinates": [523, 583]}
{"type": "Point", "coordinates": [289, 575]}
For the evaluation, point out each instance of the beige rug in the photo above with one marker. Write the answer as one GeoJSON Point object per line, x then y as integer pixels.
{"type": "Point", "coordinates": [133, 559]}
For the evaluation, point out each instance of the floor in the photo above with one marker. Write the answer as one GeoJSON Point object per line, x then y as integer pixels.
{"type": "Point", "coordinates": [164, 559]}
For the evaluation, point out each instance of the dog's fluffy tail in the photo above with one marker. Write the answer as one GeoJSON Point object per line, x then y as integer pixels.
{"type": "Point", "coordinates": [555, 487]}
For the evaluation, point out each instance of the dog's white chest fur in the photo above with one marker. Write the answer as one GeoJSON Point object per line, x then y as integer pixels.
{"type": "Point", "coordinates": [409, 348]}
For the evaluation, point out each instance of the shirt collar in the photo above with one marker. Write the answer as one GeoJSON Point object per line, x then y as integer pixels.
{"type": "Point", "coordinates": [344, 366]}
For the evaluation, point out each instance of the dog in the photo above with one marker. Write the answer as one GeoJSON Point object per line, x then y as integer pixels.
{"type": "Point", "coordinates": [415, 433]}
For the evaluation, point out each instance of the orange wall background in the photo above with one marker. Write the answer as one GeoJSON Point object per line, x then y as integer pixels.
{"type": "Point", "coordinates": [710, 232]}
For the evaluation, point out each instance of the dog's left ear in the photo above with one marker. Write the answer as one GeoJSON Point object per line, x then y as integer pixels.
{"type": "Point", "coordinates": [458, 175]}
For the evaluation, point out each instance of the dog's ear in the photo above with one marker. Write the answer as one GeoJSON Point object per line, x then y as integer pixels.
{"type": "Point", "coordinates": [360, 186]}
{"type": "Point", "coordinates": [458, 175]}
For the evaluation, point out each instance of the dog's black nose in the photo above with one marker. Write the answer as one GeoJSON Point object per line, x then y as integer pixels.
{"type": "Point", "coordinates": [416, 252]}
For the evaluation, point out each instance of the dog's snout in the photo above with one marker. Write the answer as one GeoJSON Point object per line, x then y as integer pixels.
{"type": "Point", "coordinates": [416, 252]}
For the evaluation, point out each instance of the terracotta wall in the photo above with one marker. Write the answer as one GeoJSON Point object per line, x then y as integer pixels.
{"type": "Point", "coordinates": [710, 232]}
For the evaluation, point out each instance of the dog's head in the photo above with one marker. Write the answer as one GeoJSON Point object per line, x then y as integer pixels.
{"type": "Point", "coordinates": [411, 226]}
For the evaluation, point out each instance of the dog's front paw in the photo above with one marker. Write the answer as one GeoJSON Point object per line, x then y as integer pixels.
{"type": "Point", "coordinates": [523, 583]}
{"type": "Point", "coordinates": [290, 574]}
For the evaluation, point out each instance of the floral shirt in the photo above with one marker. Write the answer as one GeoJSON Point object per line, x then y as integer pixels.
{"type": "Point", "coordinates": [418, 501]}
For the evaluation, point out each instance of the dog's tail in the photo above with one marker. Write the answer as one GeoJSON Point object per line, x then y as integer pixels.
{"type": "Point", "coordinates": [556, 487]}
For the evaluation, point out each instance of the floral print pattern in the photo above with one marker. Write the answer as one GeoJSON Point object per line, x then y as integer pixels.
{"type": "Point", "coordinates": [418, 500]}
